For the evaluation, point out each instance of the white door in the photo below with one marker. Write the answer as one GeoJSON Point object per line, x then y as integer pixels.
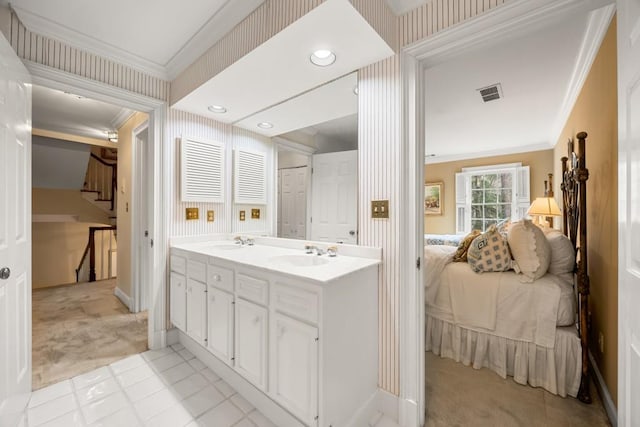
{"type": "Point", "coordinates": [334, 193]}
{"type": "Point", "coordinates": [197, 311]}
{"type": "Point", "coordinates": [279, 230]}
{"type": "Point", "coordinates": [295, 367]}
{"type": "Point", "coordinates": [293, 196]}
{"type": "Point", "coordinates": [629, 212]}
{"type": "Point", "coordinates": [251, 342]}
{"type": "Point", "coordinates": [220, 324]}
{"type": "Point", "coordinates": [141, 202]}
{"type": "Point", "coordinates": [178, 298]}
{"type": "Point", "coordinates": [15, 235]}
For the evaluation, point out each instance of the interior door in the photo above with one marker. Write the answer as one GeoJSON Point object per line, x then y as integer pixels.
{"type": "Point", "coordinates": [629, 212]}
{"type": "Point", "coordinates": [15, 235]}
{"type": "Point", "coordinates": [287, 213]}
{"type": "Point", "coordinates": [293, 198]}
{"type": "Point", "coordinates": [141, 215]}
{"type": "Point", "coordinates": [300, 202]}
{"type": "Point", "coordinates": [334, 206]}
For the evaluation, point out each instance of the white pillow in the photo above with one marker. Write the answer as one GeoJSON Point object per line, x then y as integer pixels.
{"type": "Point", "coordinates": [530, 249]}
{"type": "Point", "coordinates": [563, 256]}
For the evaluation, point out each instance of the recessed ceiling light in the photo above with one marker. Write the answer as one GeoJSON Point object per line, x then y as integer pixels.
{"type": "Point", "coordinates": [265, 125]}
{"type": "Point", "coordinates": [217, 109]}
{"type": "Point", "coordinates": [323, 57]}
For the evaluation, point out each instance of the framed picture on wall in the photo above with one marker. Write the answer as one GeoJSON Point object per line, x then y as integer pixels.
{"type": "Point", "coordinates": [433, 198]}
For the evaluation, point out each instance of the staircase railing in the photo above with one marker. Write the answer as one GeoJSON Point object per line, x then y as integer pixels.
{"type": "Point", "coordinates": [92, 257]}
{"type": "Point", "coordinates": [102, 177]}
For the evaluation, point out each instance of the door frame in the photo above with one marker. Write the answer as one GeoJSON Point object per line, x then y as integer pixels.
{"type": "Point", "coordinates": [510, 19]}
{"type": "Point", "coordinates": [161, 156]}
{"type": "Point", "coordinates": [139, 203]}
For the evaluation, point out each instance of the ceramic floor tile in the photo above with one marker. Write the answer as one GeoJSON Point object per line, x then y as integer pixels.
{"type": "Point", "coordinates": [144, 388]}
{"type": "Point", "coordinates": [152, 405]}
{"type": "Point", "coordinates": [260, 420]}
{"type": "Point", "coordinates": [223, 415]}
{"type": "Point", "coordinates": [71, 419]}
{"type": "Point", "coordinates": [109, 405]}
{"type": "Point", "coordinates": [189, 385]}
{"type": "Point", "coordinates": [177, 347]}
{"type": "Point", "coordinates": [224, 388]}
{"type": "Point", "coordinates": [156, 354]}
{"type": "Point", "coordinates": [128, 363]}
{"type": "Point", "coordinates": [51, 392]}
{"type": "Point", "coordinates": [186, 354]}
{"type": "Point", "coordinates": [197, 364]}
{"type": "Point", "coordinates": [175, 416]}
{"type": "Point", "coordinates": [52, 409]}
{"type": "Point", "coordinates": [125, 417]}
{"type": "Point", "coordinates": [177, 373]}
{"type": "Point", "coordinates": [242, 403]}
{"type": "Point", "coordinates": [210, 375]}
{"type": "Point", "coordinates": [134, 375]}
{"type": "Point", "coordinates": [202, 401]}
{"type": "Point", "coordinates": [97, 391]}
{"type": "Point", "coordinates": [92, 377]}
{"type": "Point", "coordinates": [165, 362]}
{"type": "Point", "coordinates": [245, 422]}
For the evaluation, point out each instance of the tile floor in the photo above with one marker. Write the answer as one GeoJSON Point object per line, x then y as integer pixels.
{"type": "Point", "coordinates": [81, 327]}
{"type": "Point", "coordinates": [167, 387]}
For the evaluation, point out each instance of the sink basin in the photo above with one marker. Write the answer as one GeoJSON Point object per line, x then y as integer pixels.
{"type": "Point", "coordinates": [226, 247]}
{"type": "Point", "coordinates": [298, 260]}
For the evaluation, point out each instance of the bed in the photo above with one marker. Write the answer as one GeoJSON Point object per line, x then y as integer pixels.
{"type": "Point", "coordinates": [534, 331]}
{"type": "Point", "coordinates": [443, 239]}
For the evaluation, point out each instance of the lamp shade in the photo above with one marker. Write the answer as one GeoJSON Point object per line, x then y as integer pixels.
{"type": "Point", "coordinates": [544, 206]}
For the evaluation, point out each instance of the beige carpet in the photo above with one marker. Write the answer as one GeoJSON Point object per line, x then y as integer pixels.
{"type": "Point", "coordinates": [81, 327]}
{"type": "Point", "coordinates": [459, 395]}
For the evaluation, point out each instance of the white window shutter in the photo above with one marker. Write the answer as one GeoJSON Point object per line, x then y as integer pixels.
{"type": "Point", "coordinates": [250, 177]}
{"type": "Point", "coordinates": [202, 170]}
{"type": "Point", "coordinates": [463, 204]}
{"type": "Point", "coordinates": [523, 195]}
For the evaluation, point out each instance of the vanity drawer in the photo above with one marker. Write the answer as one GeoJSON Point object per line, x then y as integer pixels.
{"type": "Point", "coordinates": [178, 264]}
{"type": "Point", "coordinates": [197, 271]}
{"type": "Point", "coordinates": [221, 278]}
{"type": "Point", "coordinates": [296, 302]}
{"type": "Point", "coordinates": [253, 289]}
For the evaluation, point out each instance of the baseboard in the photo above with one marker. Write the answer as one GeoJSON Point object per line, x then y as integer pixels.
{"type": "Point", "coordinates": [381, 402]}
{"type": "Point", "coordinates": [278, 415]}
{"type": "Point", "coordinates": [607, 401]}
{"type": "Point", "coordinates": [126, 299]}
{"type": "Point", "coordinates": [408, 412]}
{"type": "Point", "coordinates": [172, 336]}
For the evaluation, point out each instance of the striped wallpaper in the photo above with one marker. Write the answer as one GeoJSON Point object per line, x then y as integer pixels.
{"type": "Point", "coordinates": [52, 53]}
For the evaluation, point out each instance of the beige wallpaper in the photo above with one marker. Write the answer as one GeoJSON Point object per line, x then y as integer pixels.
{"type": "Point", "coordinates": [596, 112]}
{"type": "Point", "coordinates": [540, 163]}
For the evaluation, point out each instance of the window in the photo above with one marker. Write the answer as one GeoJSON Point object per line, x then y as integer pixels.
{"type": "Point", "coordinates": [490, 194]}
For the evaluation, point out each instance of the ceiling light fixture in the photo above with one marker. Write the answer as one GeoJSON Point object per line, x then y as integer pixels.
{"type": "Point", "coordinates": [323, 57]}
{"type": "Point", "coordinates": [112, 136]}
{"type": "Point", "coordinates": [219, 109]}
{"type": "Point", "coordinates": [265, 125]}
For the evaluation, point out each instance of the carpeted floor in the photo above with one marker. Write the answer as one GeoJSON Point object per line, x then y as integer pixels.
{"type": "Point", "coordinates": [81, 327]}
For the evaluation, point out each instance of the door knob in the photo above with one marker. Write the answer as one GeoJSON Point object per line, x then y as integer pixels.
{"type": "Point", "coordinates": [5, 273]}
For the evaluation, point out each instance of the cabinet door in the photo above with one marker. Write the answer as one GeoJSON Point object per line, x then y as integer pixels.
{"type": "Point", "coordinates": [197, 311]}
{"type": "Point", "coordinates": [178, 301]}
{"type": "Point", "coordinates": [294, 379]}
{"type": "Point", "coordinates": [251, 342]}
{"type": "Point", "coordinates": [220, 324]}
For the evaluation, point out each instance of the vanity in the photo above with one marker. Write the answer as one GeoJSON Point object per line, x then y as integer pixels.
{"type": "Point", "coordinates": [295, 333]}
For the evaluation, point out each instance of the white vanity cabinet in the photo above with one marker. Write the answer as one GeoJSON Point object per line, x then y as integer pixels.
{"type": "Point", "coordinates": [220, 312]}
{"type": "Point", "coordinates": [251, 342]}
{"type": "Point", "coordinates": [197, 311]}
{"type": "Point", "coordinates": [178, 292]}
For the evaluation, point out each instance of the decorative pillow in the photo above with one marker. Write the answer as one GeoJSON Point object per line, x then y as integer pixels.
{"type": "Point", "coordinates": [463, 247]}
{"type": "Point", "coordinates": [503, 227]}
{"type": "Point", "coordinates": [489, 252]}
{"type": "Point", "coordinates": [563, 256]}
{"type": "Point", "coordinates": [530, 249]}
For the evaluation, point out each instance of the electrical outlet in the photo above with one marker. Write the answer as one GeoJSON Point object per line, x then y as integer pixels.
{"type": "Point", "coordinates": [210, 216]}
{"type": "Point", "coordinates": [601, 342]}
{"type": "Point", "coordinates": [255, 213]}
{"type": "Point", "coordinates": [191, 213]}
{"type": "Point", "coordinates": [242, 215]}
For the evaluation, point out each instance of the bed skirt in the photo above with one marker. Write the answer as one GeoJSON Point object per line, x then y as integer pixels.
{"type": "Point", "coordinates": [557, 369]}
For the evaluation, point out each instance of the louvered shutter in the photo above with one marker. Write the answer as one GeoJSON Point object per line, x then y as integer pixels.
{"type": "Point", "coordinates": [523, 192]}
{"type": "Point", "coordinates": [202, 170]}
{"type": "Point", "coordinates": [463, 204]}
{"type": "Point", "coordinates": [250, 177]}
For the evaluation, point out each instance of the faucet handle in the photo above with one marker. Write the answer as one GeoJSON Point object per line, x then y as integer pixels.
{"type": "Point", "coordinates": [332, 251]}
{"type": "Point", "coordinates": [308, 248]}
{"type": "Point", "coordinates": [250, 241]}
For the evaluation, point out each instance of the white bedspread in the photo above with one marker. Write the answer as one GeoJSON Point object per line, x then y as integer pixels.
{"type": "Point", "coordinates": [497, 303]}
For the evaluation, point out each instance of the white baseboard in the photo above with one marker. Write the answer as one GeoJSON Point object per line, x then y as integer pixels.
{"type": "Point", "coordinates": [381, 402]}
{"type": "Point", "coordinates": [172, 336]}
{"type": "Point", "coordinates": [609, 406]}
{"type": "Point", "coordinates": [126, 299]}
{"type": "Point", "coordinates": [256, 397]}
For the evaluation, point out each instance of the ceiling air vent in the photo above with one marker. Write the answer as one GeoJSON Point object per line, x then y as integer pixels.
{"type": "Point", "coordinates": [491, 93]}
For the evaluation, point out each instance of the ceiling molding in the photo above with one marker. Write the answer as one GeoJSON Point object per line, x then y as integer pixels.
{"type": "Point", "coordinates": [121, 118]}
{"type": "Point", "coordinates": [482, 154]}
{"type": "Point", "coordinates": [223, 21]}
{"type": "Point", "coordinates": [287, 145]}
{"type": "Point", "coordinates": [596, 29]}
{"type": "Point", "coordinates": [50, 29]}
{"type": "Point", "coordinates": [47, 133]}
{"type": "Point", "coordinates": [508, 20]}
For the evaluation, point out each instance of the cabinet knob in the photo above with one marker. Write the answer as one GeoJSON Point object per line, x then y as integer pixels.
{"type": "Point", "coordinates": [217, 277]}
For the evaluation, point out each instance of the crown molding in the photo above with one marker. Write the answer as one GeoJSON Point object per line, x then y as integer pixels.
{"type": "Point", "coordinates": [121, 118]}
{"type": "Point", "coordinates": [289, 145]}
{"type": "Point", "coordinates": [492, 153]}
{"type": "Point", "coordinates": [223, 21]}
{"type": "Point", "coordinates": [595, 30]}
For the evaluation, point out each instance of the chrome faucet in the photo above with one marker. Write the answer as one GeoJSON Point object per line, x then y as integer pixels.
{"type": "Point", "coordinates": [240, 240]}
{"type": "Point", "coordinates": [332, 251]}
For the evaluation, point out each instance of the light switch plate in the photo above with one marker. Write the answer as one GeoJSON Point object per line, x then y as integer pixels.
{"type": "Point", "coordinates": [191, 213]}
{"type": "Point", "coordinates": [379, 209]}
{"type": "Point", "coordinates": [242, 215]}
{"type": "Point", "coordinates": [210, 216]}
{"type": "Point", "coordinates": [255, 213]}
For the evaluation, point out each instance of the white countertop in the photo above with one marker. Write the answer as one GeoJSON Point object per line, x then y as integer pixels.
{"type": "Point", "coordinates": [273, 255]}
